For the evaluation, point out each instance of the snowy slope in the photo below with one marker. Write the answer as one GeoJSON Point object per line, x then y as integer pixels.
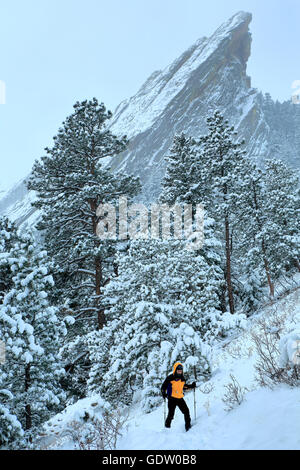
{"type": "Point", "coordinates": [266, 419]}
{"type": "Point", "coordinates": [16, 204]}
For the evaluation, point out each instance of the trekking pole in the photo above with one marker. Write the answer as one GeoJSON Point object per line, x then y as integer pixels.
{"type": "Point", "coordinates": [165, 411]}
{"type": "Point", "coordinates": [195, 414]}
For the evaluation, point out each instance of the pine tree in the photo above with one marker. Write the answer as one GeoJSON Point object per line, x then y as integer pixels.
{"type": "Point", "coordinates": [32, 333]}
{"type": "Point", "coordinates": [251, 237]}
{"type": "Point", "coordinates": [282, 204]}
{"type": "Point", "coordinates": [10, 427]}
{"type": "Point", "coordinates": [269, 240]}
{"type": "Point", "coordinates": [160, 285]}
{"type": "Point", "coordinates": [71, 182]}
{"type": "Point", "coordinates": [99, 344]}
{"type": "Point", "coordinates": [180, 176]}
{"type": "Point", "coordinates": [221, 172]}
{"type": "Point", "coordinates": [211, 171]}
{"type": "Point", "coordinates": [8, 235]}
{"type": "Point", "coordinates": [184, 185]}
{"type": "Point", "coordinates": [297, 130]}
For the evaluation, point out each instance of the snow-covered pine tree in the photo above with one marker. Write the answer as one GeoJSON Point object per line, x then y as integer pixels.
{"type": "Point", "coordinates": [221, 171]}
{"type": "Point", "coordinates": [252, 241]}
{"type": "Point", "coordinates": [10, 428]}
{"type": "Point", "coordinates": [160, 285]}
{"type": "Point", "coordinates": [297, 130]}
{"type": "Point", "coordinates": [75, 357]}
{"type": "Point", "coordinates": [250, 286]}
{"type": "Point", "coordinates": [71, 182]}
{"type": "Point", "coordinates": [8, 235]}
{"type": "Point", "coordinates": [194, 177]}
{"type": "Point", "coordinates": [181, 173]}
{"type": "Point", "coordinates": [99, 344]}
{"type": "Point", "coordinates": [32, 333]}
{"type": "Point", "coordinates": [269, 239]}
{"type": "Point", "coordinates": [191, 350]}
{"type": "Point", "coordinates": [158, 365]}
{"type": "Point", "coordinates": [282, 205]}
{"type": "Point", "coordinates": [180, 186]}
{"type": "Point", "coordinates": [138, 308]}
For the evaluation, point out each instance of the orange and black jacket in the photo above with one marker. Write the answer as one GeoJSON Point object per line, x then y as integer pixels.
{"type": "Point", "coordinates": [174, 385]}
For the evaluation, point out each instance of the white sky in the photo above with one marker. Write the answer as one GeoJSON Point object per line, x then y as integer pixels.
{"type": "Point", "coordinates": [55, 52]}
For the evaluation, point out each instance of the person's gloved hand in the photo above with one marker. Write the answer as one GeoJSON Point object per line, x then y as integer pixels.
{"type": "Point", "coordinates": [164, 395]}
{"type": "Point", "coordinates": [193, 385]}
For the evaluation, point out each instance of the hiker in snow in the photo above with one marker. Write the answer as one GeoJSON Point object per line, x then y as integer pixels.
{"type": "Point", "coordinates": [172, 388]}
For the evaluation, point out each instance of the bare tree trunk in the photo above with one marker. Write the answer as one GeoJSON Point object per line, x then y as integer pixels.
{"type": "Point", "coordinates": [266, 264]}
{"type": "Point", "coordinates": [99, 283]}
{"type": "Point", "coordinates": [223, 303]}
{"type": "Point", "coordinates": [98, 271]}
{"type": "Point", "coordinates": [228, 267]}
{"type": "Point", "coordinates": [267, 269]}
{"type": "Point", "coordinates": [28, 418]}
{"type": "Point", "coordinates": [228, 247]}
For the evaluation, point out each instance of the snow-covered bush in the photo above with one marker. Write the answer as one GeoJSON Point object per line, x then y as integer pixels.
{"type": "Point", "coordinates": [186, 346]}
{"type": "Point", "coordinates": [10, 427]}
{"type": "Point", "coordinates": [98, 433]}
{"type": "Point", "coordinates": [190, 349]}
{"type": "Point", "coordinates": [289, 360]}
{"type": "Point", "coordinates": [100, 345]}
{"type": "Point", "coordinates": [289, 346]}
{"type": "Point", "coordinates": [75, 356]}
{"type": "Point", "coordinates": [250, 289]}
{"type": "Point", "coordinates": [222, 324]}
{"type": "Point", "coordinates": [234, 395]}
{"type": "Point", "coordinates": [278, 357]}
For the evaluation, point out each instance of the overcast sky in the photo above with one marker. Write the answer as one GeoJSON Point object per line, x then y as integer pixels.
{"type": "Point", "coordinates": [55, 52]}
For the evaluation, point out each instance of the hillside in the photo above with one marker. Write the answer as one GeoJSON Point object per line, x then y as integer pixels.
{"type": "Point", "coordinates": [266, 418]}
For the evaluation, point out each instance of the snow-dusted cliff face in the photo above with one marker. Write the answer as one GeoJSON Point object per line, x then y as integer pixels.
{"type": "Point", "coordinates": [210, 74]}
{"type": "Point", "coordinates": [186, 79]}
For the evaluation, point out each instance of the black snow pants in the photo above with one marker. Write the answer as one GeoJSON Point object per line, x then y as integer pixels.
{"type": "Point", "coordinates": [172, 403]}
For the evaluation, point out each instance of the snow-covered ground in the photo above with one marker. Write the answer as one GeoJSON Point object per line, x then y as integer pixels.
{"type": "Point", "coordinates": [266, 419]}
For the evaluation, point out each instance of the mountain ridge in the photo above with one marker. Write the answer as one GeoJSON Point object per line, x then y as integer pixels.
{"type": "Point", "coordinates": [186, 63]}
{"type": "Point", "coordinates": [211, 74]}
